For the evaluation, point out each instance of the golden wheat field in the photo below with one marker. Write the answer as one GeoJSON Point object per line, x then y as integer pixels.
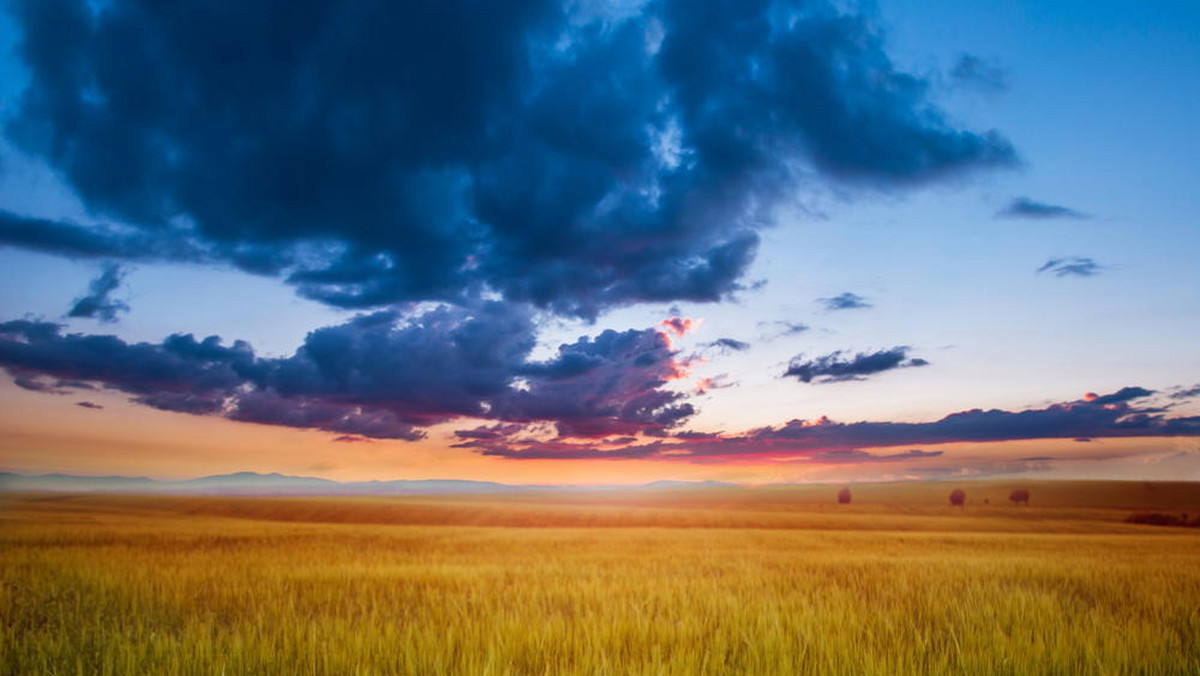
{"type": "Point", "coordinates": [690, 581]}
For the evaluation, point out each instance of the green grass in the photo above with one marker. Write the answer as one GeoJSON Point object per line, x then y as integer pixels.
{"type": "Point", "coordinates": [775, 581]}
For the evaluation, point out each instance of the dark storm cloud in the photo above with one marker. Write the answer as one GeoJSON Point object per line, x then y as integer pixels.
{"type": "Point", "coordinates": [99, 303]}
{"type": "Point", "coordinates": [619, 393]}
{"type": "Point", "coordinates": [1023, 207]}
{"type": "Point", "coordinates": [834, 368]}
{"type": "Point", "coordinates": [88, 404]}
{"type": "Point", "coordinates": [845, 301]}
{"type": "Point", "coordinates": [98, 240]}
{"type": "Point", "coordinates": [1076, 266]}
{"type": "Point", "coordinates": [381, 375]}
{"type": "Point", "coordinates": [824, 440]}
{"type": "Point", "coordinates": [381, 152]}
{"type": "Point", "coordinates": [983, 74]}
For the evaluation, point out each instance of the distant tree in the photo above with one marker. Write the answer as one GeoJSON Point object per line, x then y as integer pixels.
{"type": "Point", "coordinates": [958, 498]}
{"type": "Point", "coordinates": [844, 496]}
{"type": "Point", "coordinates": [1019, 496]}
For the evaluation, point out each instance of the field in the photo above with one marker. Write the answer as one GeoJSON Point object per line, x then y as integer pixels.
{"type": "Point", "coordinates": [687, 581]}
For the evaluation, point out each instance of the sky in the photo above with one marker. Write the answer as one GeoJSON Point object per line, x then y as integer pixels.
{"type": "Point", "coordinates": [600, 241]}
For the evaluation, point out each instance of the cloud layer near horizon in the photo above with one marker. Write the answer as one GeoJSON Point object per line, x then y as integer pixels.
{"type": "Point", "coordinates": [828, 441]}
{"type": "Point", "coordinates": [380, 375]}
{"type": "Point", "coordinates": [385, 376]}
{"type": "Point", "coordinates": [575, 156]}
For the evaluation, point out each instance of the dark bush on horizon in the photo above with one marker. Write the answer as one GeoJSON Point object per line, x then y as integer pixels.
{"type": "Point", "coordinates": [1160, 519]}
{"type": "Point", "coordinates": [844, 496]}
{"type": "Point", "coordinates": [958, 497]}
{"type": "Point", "coordinates": [1019, 496]}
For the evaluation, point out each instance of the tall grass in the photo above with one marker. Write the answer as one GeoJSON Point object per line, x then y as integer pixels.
{"type": "Point", "coordinates": [126, 586]}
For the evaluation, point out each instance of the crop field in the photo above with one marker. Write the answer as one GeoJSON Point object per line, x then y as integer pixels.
{"type": "Point", "coordinates": [672, 581]}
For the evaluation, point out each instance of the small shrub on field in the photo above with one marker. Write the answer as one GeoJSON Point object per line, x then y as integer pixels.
{"type": "Point", "coordinates": [958, 497]}
{"type": "Point", "coordinates": [1019, 496]}
{"type": "Point", "coordinates": [844, 496]}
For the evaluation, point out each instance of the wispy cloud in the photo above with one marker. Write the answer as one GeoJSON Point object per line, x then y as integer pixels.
{"type": "Point", "coordinates": [1071, 266]}
{"type": "Point", "coordinates": [845, 301]}
{"type": "Point", "coordinates": [99, 303]}
{"type": "Point", "coordinates": [1186, 393]}
{"type": "Point", "coordinates": [841, 367]}
{"type": "Point", "coordinates": [1024, 207]}
{"type": "Point", "coordinates": [983, 74]}
{"type": "Point", "coordinates": [772, 330]}
{"type": "Point", "coordinates": [729, 345]}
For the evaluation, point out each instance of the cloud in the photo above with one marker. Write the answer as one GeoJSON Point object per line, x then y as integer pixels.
{"type": "Point", "coordinates": [384, 375]}
{"type": "Point", "coordinates": [99, 240]}
{"type": "Point", "coordinates": [1072, 265]}
{"type": "Point", "coordinates": [680, 326]}
{"type": "Point", "coordinates": [979, 73]}
{"type": "Point", "coordinates": [721, 381]}
{"type": "Point", "coordinates": [98, 303]}
{"type": "Point", "coordinates": [497, 431]}
{"type": "Point", "coordinates": [1023, 207]}
{"type": "Point", "coordinates": [1119, 397]}
{"type": "Point", "coordinates": [825, 440]}
{"type": "Point", "coordinates": [845, 301]}
{"type": "Point", "coordinates": [88, 404]}
{"type": "Point", "coordinates": [855, 456]}
{"type": "Point", "coordinates": [729, 344]}
{"type": "Point", "coordinates": [1186, 393]}
{"type": "Point", "coordinates": [781, 329]}
{"type": "Point", "coordinates": [607, 385]}
{"type": "Point", "coordinates": [834, 368]}
{"type": "Point", "coordinates": [372, 154]}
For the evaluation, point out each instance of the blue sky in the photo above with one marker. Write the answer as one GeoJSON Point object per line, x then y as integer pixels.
{"type": "Point", "coordinates": [1091, 104]}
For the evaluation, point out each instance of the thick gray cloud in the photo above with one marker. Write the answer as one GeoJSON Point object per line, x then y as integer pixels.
{"type": "Point", "coordinates": [372, 153]}
{"type": "Point", "coordinates": [382, 375]}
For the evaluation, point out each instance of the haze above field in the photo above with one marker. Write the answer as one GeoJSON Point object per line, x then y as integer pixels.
{"type": "Point", "coordinates": [604, 242]}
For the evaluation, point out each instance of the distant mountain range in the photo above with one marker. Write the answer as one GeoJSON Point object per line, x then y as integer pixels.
{"type": "Point", "coordinates": [254, 483]}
